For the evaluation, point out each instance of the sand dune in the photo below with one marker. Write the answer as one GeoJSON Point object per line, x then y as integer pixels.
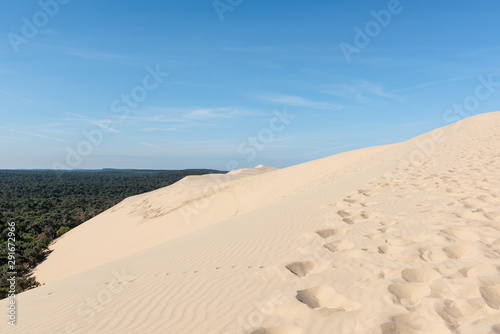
{"type": "Point", "coordinates": [402, 238]}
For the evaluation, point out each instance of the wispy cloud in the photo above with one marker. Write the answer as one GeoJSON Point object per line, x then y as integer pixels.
{"type": "Point", "coordinates": [429, 84]}
{"type": "Point", "coordinates": [43, 136]}
{"type": "Point", "coordinates": [159, 129]}
{"type": "Point", "coordinates": [210, 113]}
{"type": "Point", "coordinates": [106, 124]}
{"type": "Point", "coordinates": [298, 101]}
{"type": "Point", "coordinates": [165, 117]}
{"type": "Point", "coordinates": [96, 55]}
{"type": "Point", "coordinates": [175, 119]}
{"type": "Point", "coordinates": [13, 139]}
{"type": "Point", "coordinates": [359, 90]}
{"type": "Point", "coordinates": [20, 98]}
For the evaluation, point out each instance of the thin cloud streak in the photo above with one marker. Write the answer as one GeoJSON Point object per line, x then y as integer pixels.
{"type": "Point", "coordinates": [21, 98]}
{"type": "Point", "coordinates": [95, 55]}
{"type": "Point", "coordinates": [298, 101]}
{"type": "Point", "coordinates": [428, 84]}
{"type": "Point", "coordinates": [43, 136]}
{"type": "Point", "coordinates": [359, 91]}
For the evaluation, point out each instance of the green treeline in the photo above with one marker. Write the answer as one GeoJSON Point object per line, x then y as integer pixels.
{"type": "Point", "coordinates": [46, 204]}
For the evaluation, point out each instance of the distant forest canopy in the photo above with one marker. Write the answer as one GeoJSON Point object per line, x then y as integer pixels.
{"type": "Point", "coordinates": [45, 204]}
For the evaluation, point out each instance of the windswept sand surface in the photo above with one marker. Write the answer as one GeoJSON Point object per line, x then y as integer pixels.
{"type": "Point", "coordinates": [402, 238]}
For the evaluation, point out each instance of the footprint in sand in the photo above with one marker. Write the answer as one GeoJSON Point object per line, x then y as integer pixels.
{"type": "Point", "coordinates": [368, 214]}
{"type": "Point", "coordinates": [399, 242]}
{"type": "Point", "coordinates": [495, 329]}
{"type": "Point", "coordinates": [393, 245]}
{"type": "Point", "coordinates": [389, 249]}
{"type": "Point", "coordinates": [326, 296]}
{"type": "Point", "coordinates": [472, 203]}
{"type": "Point", "coordinates": [475, 271]}
{"type": "Point", "coordinates": [491, 295]}
{"type": "Point", "coordinates": [493, 215]}
{"type": "Point", "coordinates": [351, 218]}
{"type": "Point", "coordinates": [460, 251]}
{"type": "Point", "coordinates": [372, 235]}
{"type": "Point", "coordinates": [386, 223]}
{"type": "Point", "coordinates": [408, 294]}
{"type": "Point", "coordinates": [487, 199]}
{"type": "Point", "coordinates": [367, 204]}
{"type": "Point", "coordinates": [415, 323]}
{"type": "Point", "coordinates": [420, 275]}
{"type": "Point", "coordinates": [350, 221]}
{"type": "Point", "coordinates": [326, 233]}
{"type": "Point", "coordinates": [367, 192]}
{"type": "Point", "coordinates": [339, 245]}
{"type": "Point", "coordinates": [386, 229]}
{"type": "Point", "coordinates": [453, 292]}
{"type": "Point", "coordinates": [474, 214]}
{"type": "Point", "coordinates": [458, 233]}
{"type": "Point", "coordinates": [278, 330]}
{"type": "Point", "coordinates": [304, 268]}
{"type": "Point", "coordinates": [455, 310]}
{"type": "Point", "coordinates": [432, 254]}
{"type": "Point", "coordinates": [349, 200]}
{"type": "Point", "coordinates": [343, 213]}
{"type": "Point", "coordinates": [376, 277]}
{"type": "Point", "coordinates": [347, 217]}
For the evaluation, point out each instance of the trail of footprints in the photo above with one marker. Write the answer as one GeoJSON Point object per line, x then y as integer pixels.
{"type": "Point", "coordinates": [324, 297]}
{"type": "Point", "coordinates": [423, 286]}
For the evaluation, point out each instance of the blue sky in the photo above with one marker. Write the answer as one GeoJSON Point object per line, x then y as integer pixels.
{"type": "Point", "coordinates": [228, 78]}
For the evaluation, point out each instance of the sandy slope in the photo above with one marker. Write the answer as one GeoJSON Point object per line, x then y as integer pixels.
{"type": "Point", "coordinates": [402, 238]}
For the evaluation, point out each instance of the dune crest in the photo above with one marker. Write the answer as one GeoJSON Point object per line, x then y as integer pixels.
{"type": "Point", "coordinates": [402, 238]}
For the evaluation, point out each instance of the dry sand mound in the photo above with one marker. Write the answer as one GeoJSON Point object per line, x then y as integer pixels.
{"type": "Point", "coordinates": [403, 238]}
